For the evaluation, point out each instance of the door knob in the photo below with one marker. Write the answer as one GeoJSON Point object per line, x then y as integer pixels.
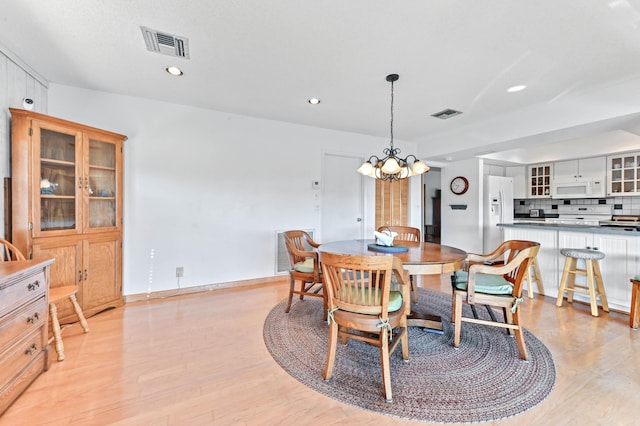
{"type": "Point", "coordinates": [359, 219]}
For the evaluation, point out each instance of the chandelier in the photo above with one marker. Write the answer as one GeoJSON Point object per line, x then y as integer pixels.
{"type": "Point", "coordinates": [391, 166]}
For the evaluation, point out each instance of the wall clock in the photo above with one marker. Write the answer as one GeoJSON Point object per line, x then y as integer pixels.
{"type": "Point", "coordinates": [459, 185]}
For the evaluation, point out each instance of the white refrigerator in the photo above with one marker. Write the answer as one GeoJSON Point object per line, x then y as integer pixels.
{"type": "Point", "coordinates": [497, 208]}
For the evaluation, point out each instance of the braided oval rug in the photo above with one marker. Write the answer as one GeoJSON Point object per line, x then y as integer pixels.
{"type": "Point", "coordinates": [483, 380]}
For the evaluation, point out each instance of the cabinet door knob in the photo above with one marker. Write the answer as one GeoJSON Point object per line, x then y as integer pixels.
{"type": "Point", "coordinates": [80, 276]}
{"type": "Point", "coordinates": [86, 274]}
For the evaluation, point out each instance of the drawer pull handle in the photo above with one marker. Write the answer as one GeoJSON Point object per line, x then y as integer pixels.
{"type": "Point", "coordinates": [80, 276]}
{"type": "Point", "coordinates": [34, 286]}
{"type": "Point", "coordinates": [86, 274]}
{"type": "Point", "coordinates": [34, 318]}
{"type": "Point", "coordinates": [31, 350]}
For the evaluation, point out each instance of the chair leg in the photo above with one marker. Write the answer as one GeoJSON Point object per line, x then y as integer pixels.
{"type": "Point", "coordinates": [384, 361]}
{"type": "Point", "coordinates": [331, 351]}
{"type": "Point", "coordinates": [457, 318]}
{"type": "Point", "coordinates": [292, 287]}
{"type": "Point", "coordinates": [57, 336]}
{"type": "Point", "coordinates": [79, 314]}
{"type": "Point", "coordinates": [563, 281]}
{"type": "Point", "coordinates": [592, 288]}
{"type": "Point", "coordinates": [536, 270]}
{"type": "Point", "coordinates": [600, 284]}
{"type": "Point", "coordinates": [405, 340]}
{"type": "Point", "coordinates": [520, 336]}
{"type": "Point", "coordinates": [414, 288]}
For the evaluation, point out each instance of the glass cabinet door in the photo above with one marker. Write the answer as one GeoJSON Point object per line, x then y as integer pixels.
{"type": "Point", "coordinates": [58, 180]}
{"type": "Point", "coordinates": [102, 184]}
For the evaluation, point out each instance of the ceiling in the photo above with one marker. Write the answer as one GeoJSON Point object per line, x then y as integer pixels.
{"type": "Point", "coordinates": [579, 60]}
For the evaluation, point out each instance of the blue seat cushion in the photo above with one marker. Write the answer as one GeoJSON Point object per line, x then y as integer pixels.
{"type": "Point", "coordinates": [305, 267]}
{"type": "Point", "coordinates": [485, 283]}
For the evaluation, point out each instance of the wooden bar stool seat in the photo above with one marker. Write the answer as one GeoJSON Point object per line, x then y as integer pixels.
{"type": "Point", "coordinates": [58, 294]}
{"type": "Point", "coordinates": [634, 316]}
{"type": "Point", "coordinates": [594, 287]}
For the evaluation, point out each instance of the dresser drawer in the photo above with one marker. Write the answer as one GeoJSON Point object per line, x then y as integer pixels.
{"type": "Point", "coordinates": [21, 354]}
{"type": "Point", "coordinates": [22, 321]}
{"type": "Point", "coordinates": [12, 390]}
{"type": "Point", "coordinates": [16, 292]}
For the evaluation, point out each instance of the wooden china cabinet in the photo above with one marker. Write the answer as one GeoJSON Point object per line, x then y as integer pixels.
{"type": "Point", "coordinates": [67, 204]}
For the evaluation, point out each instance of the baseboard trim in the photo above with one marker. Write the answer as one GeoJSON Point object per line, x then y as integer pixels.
{"type": "Point", "coordinates": [256, 282]}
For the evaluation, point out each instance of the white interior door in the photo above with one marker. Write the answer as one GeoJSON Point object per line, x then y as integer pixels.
{"type": "Point", "coordinates": [343, 198]}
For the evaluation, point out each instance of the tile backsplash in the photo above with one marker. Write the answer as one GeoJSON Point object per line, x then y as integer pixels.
{"type": "Point", "coordinates": [621, 205]}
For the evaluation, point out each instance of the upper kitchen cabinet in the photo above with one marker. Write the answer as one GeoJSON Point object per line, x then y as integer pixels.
{"type": "Point", "coordinates": [540, 176]}
{"type": "Point", "coordinates": [583, 168]}
{"type": "Point", "coordinates": [623, 174]}
{"type": "Point", "coordinates": [67, 200]}
{"type": "Point", "coordinates": [518, 173]}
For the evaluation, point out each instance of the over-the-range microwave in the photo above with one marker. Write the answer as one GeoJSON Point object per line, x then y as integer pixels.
{"type": "Point", "coordinates": [578, 188]}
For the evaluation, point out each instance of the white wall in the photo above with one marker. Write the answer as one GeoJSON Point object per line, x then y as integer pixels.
{"type": "Point", "coordinates": [463, 228]}
{"type": "Point", "coordinates": [17, 81]}
{"type": "Point", "coordinates": [207, 190]}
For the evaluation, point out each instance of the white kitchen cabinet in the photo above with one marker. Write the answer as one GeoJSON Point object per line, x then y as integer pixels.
{"type": "Point", "coordinates": [594, 167]}
{"type": "Point", "coordinates": [519, 176]}
{"type": "Point", "coordinates": [620, 263]}
{"type": "Point", "coordinates": [623, 174]}
{"type": "Point", "coordinates": [547, 255]}
{"type": "Point", "coordinates": [540, 176]}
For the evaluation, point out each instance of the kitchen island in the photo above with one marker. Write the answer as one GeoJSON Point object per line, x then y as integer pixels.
{"type": "Point", "coordinates": [620, 245]}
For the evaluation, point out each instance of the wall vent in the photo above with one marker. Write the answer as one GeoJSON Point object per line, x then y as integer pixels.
{"type": "Point", "coordinates": [165, 43]}
{"type": "Point", "coordinates": [282, 257]}
{"type": "Point", "coordinates": [447, 113]}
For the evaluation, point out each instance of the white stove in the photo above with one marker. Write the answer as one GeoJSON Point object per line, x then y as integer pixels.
{"type": "Point", "coordinates": [590, 215]}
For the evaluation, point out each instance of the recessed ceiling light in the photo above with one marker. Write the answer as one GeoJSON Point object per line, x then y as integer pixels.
{"type": "Point", "coordinates": [174, 71]}
{"type": "Point", "coordinates": [314, 101]}
{"type": "Point", "coordinates": [516, 88]}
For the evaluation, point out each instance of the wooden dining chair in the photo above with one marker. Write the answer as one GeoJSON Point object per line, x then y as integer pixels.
{"type": "Point", "coordinates": [56, 294]}
{"type": "Point", "coordinates": [361, 306]}
{"type": "Point", "coordinates": [10, 253]}
{"type": "Point", "coordinates": [406, 233]}
{"type": "Point", "coordinates": [494, 280]}
{"type": "Point", "coordinates": [305, 267]}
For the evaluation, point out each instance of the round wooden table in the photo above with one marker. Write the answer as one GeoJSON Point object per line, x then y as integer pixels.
{"type": "Point", "coordinates": [420, 259]}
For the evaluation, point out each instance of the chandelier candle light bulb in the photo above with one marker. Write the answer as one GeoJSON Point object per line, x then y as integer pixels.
{"type": "Point", "coordinates": [391, 167]}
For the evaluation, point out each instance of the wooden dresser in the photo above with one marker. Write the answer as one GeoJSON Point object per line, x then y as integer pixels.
{"type": "Point", "coordinates": [24, 350]}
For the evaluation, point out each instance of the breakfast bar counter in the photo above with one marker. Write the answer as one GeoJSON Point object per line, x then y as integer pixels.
{"type": "Point", "coordinates": [620, 246]}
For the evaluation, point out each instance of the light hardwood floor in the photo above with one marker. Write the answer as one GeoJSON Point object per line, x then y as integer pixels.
{"type": "Point", "coordinates": [199, 359]}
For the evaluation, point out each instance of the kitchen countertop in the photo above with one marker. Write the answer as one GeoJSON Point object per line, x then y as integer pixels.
{"type": "Point", "coordinates": [574, 228]}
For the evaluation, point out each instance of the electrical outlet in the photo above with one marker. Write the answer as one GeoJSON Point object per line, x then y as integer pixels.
{"type": "Point", "coordinates": [179, 271]}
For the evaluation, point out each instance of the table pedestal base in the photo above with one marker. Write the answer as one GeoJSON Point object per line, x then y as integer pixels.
{"type": "Point", "coordinates": [431, 322]}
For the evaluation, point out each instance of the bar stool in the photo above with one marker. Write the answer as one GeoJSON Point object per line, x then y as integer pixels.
{"type": "Point", "coordinates": [57, 294]}
{"type": "Point", "coordinates": [634, 316]}
{"type": "Point", "coordinates": [591, 271]}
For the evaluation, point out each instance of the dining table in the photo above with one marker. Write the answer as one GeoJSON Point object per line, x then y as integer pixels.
{"type": "Point", "coordinates": [418, 258]}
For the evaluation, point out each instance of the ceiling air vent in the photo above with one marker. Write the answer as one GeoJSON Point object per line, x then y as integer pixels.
{"type": "Point", "coordinates": [167, 44]}
{"type": "Point", "coordinates": [447, 113]}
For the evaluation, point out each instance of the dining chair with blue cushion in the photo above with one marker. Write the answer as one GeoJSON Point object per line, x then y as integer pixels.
{"type": "Point", "coordinates": [361, 306]}
{"type": "Point", "coordinates": [305, 267]}
{"type": "Point", "coordinates": [494, 280]}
